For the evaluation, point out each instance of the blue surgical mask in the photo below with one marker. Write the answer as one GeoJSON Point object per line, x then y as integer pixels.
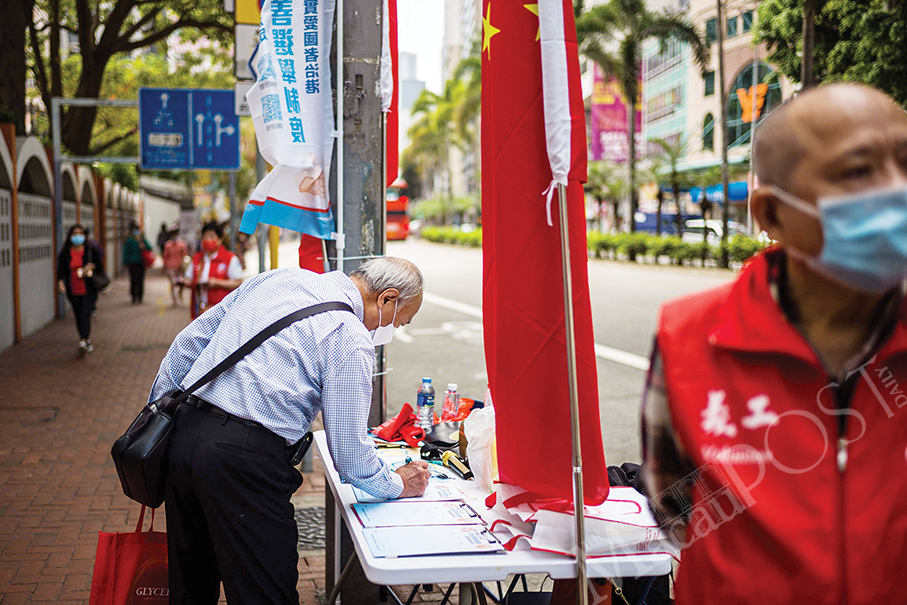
{"type": "Point", "coordinates": [865, 237]}
{"type": "Point", "coordinates": [77, 239]}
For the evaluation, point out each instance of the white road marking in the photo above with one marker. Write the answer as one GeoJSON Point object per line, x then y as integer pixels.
{"type": "Point", "coordinates": [637, 362]}
{"type": "Point", "coordinates": [402, 335]}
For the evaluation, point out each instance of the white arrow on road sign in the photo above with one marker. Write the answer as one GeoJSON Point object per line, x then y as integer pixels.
{"type": "Point", "coordinates": [229, 130]}
{"type": "Point", "coordinates": [164, 98]}
{"type": "Point", "coordinates": [200, 118]}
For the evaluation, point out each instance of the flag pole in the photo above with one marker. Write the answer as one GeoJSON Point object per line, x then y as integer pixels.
{"type": "Point", "coordinates": [578, 511]}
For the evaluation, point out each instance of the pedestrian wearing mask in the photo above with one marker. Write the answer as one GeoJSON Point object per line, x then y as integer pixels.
{"type": "Point", "coordinates": [773, 420]}
{"type": "Point", "coordinates": [75, 266]}
{"type": "Point", "coordinates": [132, 257]}
{"type": "Point", "coordinates": [229, 482]}
{"type": "Point", "coordinates": [213, 273]}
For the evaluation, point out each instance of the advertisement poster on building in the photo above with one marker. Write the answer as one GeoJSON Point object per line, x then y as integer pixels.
{"type": "Point", "coordinates": [292, 110]}
{"type": "Point", "coordinates": [609, 120]}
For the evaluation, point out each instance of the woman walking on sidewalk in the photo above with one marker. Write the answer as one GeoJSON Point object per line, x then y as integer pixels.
{"type": "Point", "coordinates": [133, 258]}
{"type": "Point", "coordinates": [75, 266]}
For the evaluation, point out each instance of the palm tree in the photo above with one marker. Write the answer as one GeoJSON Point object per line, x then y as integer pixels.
{"type": "Point", "coordinates": [433, 132]}
{"type": "Point", "coordinates": [467, 116]}
{"type": "Point", "coordinates": [654, 172]}
{"type": "Point", "coordinates": [706, 179]}
{"type": "Point", "coordinates": [627, 24]}
{"type": "Point", "coordinates": [673, 153]}
{"type": "Point", "coordinates": [600, 174]}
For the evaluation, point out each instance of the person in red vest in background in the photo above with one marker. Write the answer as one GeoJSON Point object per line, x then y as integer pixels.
{"type": "Point", "coordinates": [311, 253]}
{"type": "Point", "coordinates": [214, 272]}
{"type": "Point", "coordinates": [773, 426]}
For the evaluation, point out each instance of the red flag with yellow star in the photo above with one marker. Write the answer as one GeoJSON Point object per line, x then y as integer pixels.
{"type": "Point", "coordinates": [523, 301]}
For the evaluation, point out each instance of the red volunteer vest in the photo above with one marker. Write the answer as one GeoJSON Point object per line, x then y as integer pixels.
{"type": "Point", "coordinates": [786, 509]}
{"type": "Point", "coordinates": [220, 265]}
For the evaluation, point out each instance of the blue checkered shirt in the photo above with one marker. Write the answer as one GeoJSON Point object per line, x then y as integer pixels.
{"type": "Point", "coordinates": [321, 363]}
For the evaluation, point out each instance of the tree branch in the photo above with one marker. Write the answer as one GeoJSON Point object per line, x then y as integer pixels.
{"type": "Point", "coordinates": [112, 142]}
{"type": "Point", "coordinates": [39, 69]}
{"type": "Point", "coordinates": [125, 46]}
{"type": "Point", "coordinates": [110, 40]}
{"type": "Point", "coordinates": [149, 16]}
{"type": "Point", "coordinates": [84, 16]}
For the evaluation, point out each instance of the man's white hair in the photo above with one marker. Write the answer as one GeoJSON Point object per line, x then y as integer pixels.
{"type": "Point", "coordinates": [379, 274]}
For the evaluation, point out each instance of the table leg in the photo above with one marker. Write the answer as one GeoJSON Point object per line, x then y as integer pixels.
{"type": "Point", "coordinates": [412, 595]}
{"type": "Point", "coordinates": [480, 591]}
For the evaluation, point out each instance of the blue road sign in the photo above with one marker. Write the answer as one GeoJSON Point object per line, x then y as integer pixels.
{"type": "Point", "coordinates": [188, 129]}
{"type": "Point", "coordinates": [164, 127]}
{"type": "Point", "coordinates": [216, 130]}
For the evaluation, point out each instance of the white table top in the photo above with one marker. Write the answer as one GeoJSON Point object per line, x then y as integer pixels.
{"type": "Point", "coordinates": [477, 567]}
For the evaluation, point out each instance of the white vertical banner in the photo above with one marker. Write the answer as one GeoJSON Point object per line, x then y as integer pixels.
{"type": "Point", "coordinates": [291, 107]}
{"type": "Point", "coordinates": [387, 68]}
{"type": "Point", "coordinates": [555, 93]}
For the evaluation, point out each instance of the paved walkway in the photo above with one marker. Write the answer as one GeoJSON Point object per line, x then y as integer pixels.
{"type": "Point", "coordinates": [59, 416]}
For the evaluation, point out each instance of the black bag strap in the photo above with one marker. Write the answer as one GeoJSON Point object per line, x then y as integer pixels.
{"type": "Point", "coordinates": [259, 338]}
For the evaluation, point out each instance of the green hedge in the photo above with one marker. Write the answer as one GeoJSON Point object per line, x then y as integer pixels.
{"type": "Point", "coordinates": [452, 235]}
{"type": "Point", "coordinates": [647, 248]}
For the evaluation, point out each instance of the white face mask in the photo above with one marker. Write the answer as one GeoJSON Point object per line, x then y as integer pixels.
{"type": "Point", "coordinates": [384, 334]}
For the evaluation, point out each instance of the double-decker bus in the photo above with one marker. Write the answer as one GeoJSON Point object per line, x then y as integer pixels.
{"type": "Point", "coordinates": [397, 207]}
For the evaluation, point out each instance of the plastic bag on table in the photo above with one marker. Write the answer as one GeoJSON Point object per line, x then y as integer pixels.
{"type": "Point", "coordinates": [481, 449]}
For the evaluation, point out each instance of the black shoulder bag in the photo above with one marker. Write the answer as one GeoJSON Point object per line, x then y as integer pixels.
{"type": "Point", "coordinates": [140, 454]}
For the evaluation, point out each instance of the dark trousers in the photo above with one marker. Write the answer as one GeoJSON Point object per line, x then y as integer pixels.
{"type": "Point", "coordinates": [82, 306]}
{"type": "Point", "coordinates": [229, 516]}
{"type": "Point", "coordinates": [136, 281]}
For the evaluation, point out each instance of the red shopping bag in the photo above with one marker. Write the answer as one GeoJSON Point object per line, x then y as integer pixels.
{"type": "Point", "coordinates": [148, 258]}
{"type": "Point", "coordinates": [131, 568]}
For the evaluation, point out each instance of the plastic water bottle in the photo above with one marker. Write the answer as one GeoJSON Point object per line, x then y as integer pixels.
{"type": "Point", "coordinates": [425, 401]}
{"type": "Point", "coordinates": [451, 402]}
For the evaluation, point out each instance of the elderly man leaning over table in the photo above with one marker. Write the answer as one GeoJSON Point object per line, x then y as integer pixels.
{"type": "Point", "coordinates": [773, 422]}
{"type": "Point", "coordinates": [229, 481]}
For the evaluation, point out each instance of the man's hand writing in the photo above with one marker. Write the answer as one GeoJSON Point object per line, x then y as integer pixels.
{"type": "Point", "coordinates": [415, 478]}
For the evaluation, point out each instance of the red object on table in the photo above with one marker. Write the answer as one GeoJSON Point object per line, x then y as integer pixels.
{"type": "Point", "coordinates": [404, 425]}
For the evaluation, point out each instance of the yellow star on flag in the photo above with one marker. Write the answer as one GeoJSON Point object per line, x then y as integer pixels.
{"type": "Point", "coordinates": [534, 9]}
{"type": "Point", "coordinates": [488, 30]}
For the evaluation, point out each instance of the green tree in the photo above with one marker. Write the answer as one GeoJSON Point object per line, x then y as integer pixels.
{"type": "Point", "coordinates": [673, 153]}
{"type": "Point", "coordinates": [855, 41]}
{"type": "Point", "coordinates": [626, 25]}
{"type": "Point", "coordinates": [607, 186]}
{"type": "Point", "coordinates": [108, 31]}
{"type": "Point", "coordinates": [704, 180]}
{"type": "Point", "coordinates": [13, 26]}
{"type": "Point", "coordinates": [433, 132]}
{"type": "Point", "coordinates": [654, 173]}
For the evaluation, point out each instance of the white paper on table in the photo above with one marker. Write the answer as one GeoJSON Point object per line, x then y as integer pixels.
{"type": "Point", "coordinates": [433, 493]}
{"type": "Point", "coordinates": [430, 540]}
{"type": "Point", "coordinates": [395, 513]}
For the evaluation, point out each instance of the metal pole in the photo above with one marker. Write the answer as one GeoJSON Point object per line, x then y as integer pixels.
{"type": "Point", "coordinates": [234, 214]}
{"type": "Point", "coordinates": [58, 190]}
{"type": "Point", "coordinates": [725, 202]}
{"type": "Point", "coordinates": [749, 208]}
{"type": "Point", "coordinates": [578, 511]}
{"type": "Point", "coordinates": [261, 230]}
{"type": "Point", "coordinates": [341, 92]}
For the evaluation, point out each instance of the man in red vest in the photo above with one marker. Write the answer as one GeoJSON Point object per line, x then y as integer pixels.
{"type": "Point", "coordinates": [214, 272]}
{"type": "Point", "coordinates": [775, 414]}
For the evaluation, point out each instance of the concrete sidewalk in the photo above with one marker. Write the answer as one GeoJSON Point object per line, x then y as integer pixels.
{"type": "Point", "coordinates": [60, 414]}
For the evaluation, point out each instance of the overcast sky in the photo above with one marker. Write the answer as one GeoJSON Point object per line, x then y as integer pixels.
{"type": "Point", "coordinates": [420, 24]}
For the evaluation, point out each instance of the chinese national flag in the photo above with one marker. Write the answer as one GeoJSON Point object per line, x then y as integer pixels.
{"type": "Point", "coordinates": [523, 299]}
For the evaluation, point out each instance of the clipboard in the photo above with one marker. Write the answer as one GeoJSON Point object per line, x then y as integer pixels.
{"type": "Point", "coordinates": [398, 514]}
{"type": "Point", "coordinates": [414, 541]}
